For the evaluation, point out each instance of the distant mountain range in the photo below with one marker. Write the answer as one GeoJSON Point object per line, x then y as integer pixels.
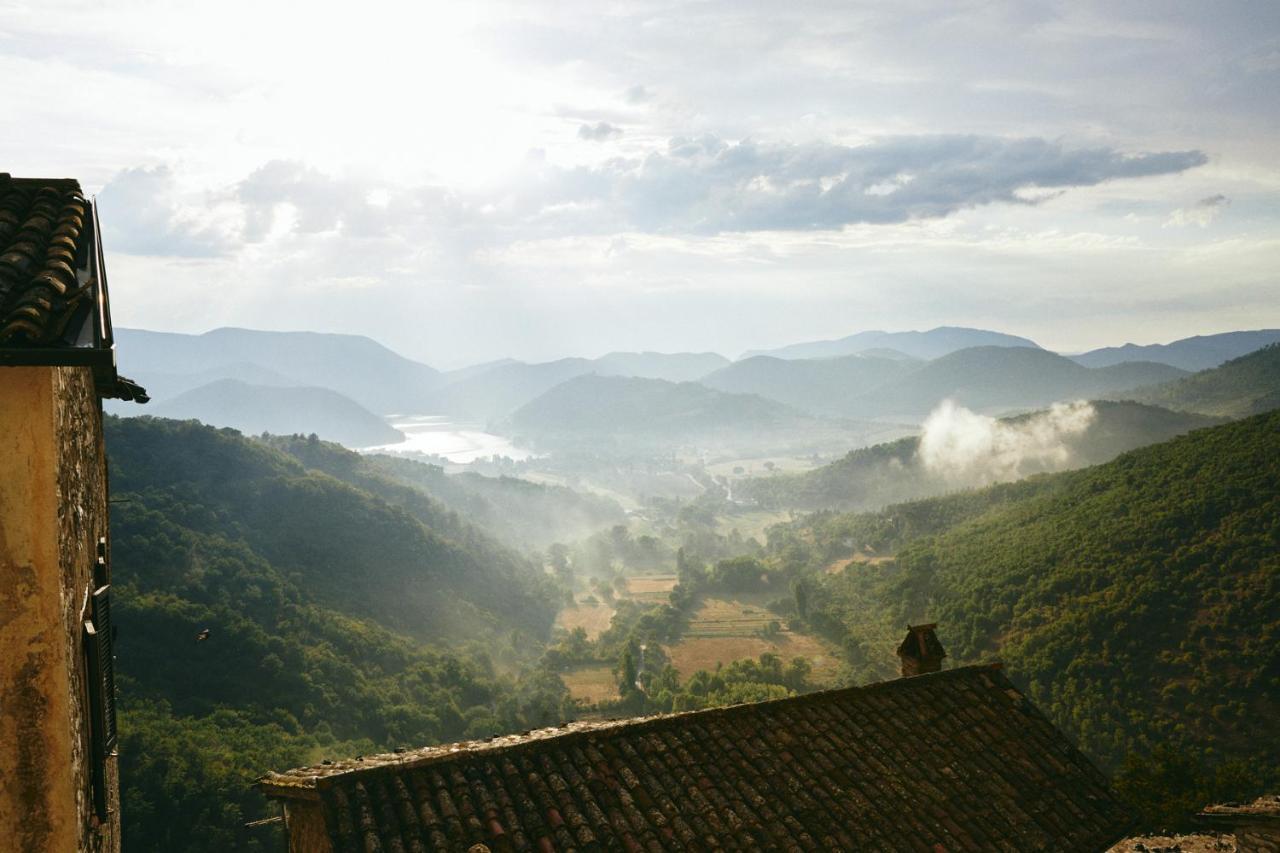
{"type": "Point", "coordinates": [223, 375]}
{"type": "Point", "coordinates": [926, 345]}
{"type": "Point", "coordinates": [255, 409]}
{"type": "Point", "coordinates": [628, 405]}
{"type": "Point", "coordinates": [825, 386]}
{"type": "Point", "coordinates": [356, 367]}
{"type": "Point", "coordinates": [1198, 353]}
{"type": "Point", "coordinates": [484, 394]}
{"type": "Point", "coordinates": [995, 379]}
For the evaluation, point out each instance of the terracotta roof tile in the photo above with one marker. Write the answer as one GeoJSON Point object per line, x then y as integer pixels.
{"type": "Point", "coordinates": [53, 294]}
{"type": "Point", "coordinates": [957, 760]}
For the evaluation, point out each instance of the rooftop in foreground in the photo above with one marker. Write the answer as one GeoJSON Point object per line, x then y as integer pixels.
{"type": "Point", "coordinates": [957, 760]}
{"type": "Point", "coordinates": [54, 307]}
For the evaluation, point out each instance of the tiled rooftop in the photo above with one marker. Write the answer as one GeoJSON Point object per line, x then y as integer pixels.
{"type": "Point", "coordinates": [53, 291]}
{"type": "Point", "coordinates": [44, 261]}
{"type": "Point", "coordinates": [957, 760]}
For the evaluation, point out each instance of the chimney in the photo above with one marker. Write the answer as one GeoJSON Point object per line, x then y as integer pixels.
{"type": "Point", "coordinates": [921, 652]}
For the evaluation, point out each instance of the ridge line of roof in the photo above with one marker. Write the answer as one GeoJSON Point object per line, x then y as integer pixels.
{"type": "Point", "coordinates": [293, 786]}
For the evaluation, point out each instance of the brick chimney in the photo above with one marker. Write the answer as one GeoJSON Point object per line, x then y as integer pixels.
{"type": "Point", "coordinates": [921, 652]}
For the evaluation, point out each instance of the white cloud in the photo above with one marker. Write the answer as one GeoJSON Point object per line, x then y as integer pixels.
{"type": "Point", "coordinates": [1202, 213]}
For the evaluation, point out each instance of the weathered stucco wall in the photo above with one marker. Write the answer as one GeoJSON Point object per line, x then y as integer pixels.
{"type": "Point", "coordinates": [53, 507]}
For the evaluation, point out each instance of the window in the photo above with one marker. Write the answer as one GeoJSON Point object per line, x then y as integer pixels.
{"type": "Point", "coordinates": [102, 693]}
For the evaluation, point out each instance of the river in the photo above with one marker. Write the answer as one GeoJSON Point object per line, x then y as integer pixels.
{"type": "Point", "coordinates": [437, 435]}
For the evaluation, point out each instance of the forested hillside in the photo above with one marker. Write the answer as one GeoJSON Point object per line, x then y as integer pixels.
{"type": "Point", "coordinates": [1003, 379]}
{"type": "Point", "coordinates": [1138, 601]}
{"type": "Point", "coordinates": [518, 512]}
{"type": "Point", "coordinates": [1243, 386]}
{"type": "Point", "coordinates": [873, 477]}
{"type": "Point", "coordinates": [337, 621]}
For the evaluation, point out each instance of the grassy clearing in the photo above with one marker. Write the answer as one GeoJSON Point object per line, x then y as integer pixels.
{"type": "Point", "coordinates": [723, 630]}
{"type": "Point", "coordinates": [651, 588]}
{"type": "Point", "coordinates": [722, 617]}
{"type": "Point", "coordinates": [753, 523]}
{"type": "Point", "coordinates": [594, 618]}
{"type": "Point", "coordinates": [591, 684]}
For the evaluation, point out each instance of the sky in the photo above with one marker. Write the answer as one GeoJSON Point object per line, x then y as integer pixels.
{"type": "Point", "coordinates": [470, 181]}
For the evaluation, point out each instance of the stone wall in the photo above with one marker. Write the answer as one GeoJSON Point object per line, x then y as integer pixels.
{"type": "Point", "coordinates": [82, 521]}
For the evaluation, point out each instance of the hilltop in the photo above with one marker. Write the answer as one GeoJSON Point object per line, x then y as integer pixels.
{"type": "Point", "coordinates": [256, 409]}
{"type": "Point", "coordinates": [1196, 353]}
{"type": "Point", "coordinates": [924, 345]}
{"type": "Point", "coordinates": [495, 391]}
{"type": "Point", "coordinates": [1243, 386]}
{"type": "Point", "coordinates": [354, 366]}
{"type": "Point", "coordinates": [828, 386]}
{"type": "Point", "coordinates": [995, 379]}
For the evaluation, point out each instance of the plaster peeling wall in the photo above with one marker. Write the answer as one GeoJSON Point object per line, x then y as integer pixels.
{"type": "Point", "coordinates": [52, 509]}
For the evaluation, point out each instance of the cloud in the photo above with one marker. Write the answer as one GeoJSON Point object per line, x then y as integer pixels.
{"type": "Point", "coordinates": [709, 185]}
{"type": "Point", "coordinates": [142, 215]}
{"type": "Point", "coordinates": [1202, 213]}
{"type": "Point", "coordinates": [599, 132]}
{"type": "Point", "coordinates": [971, 449]}
{"type": "Point", "coordinates": [637, 95]}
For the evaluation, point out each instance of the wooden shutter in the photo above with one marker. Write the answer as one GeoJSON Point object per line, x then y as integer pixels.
{"type": "Point", "coordinates": [100, 659]}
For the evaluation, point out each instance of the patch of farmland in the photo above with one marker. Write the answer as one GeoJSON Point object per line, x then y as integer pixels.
{"type": "Point", "coordinates": [694, 653]}
{"type": "Point", "coordinates": [652, 588]}
{"type": "Point", "coordinates": [591, 684]}
{"type": "Point", "coordinates": [724, 617]}
{"type": "Point", "coordinates": [723, 630]}
{"type": "Point", "coordinates": [594, 618]}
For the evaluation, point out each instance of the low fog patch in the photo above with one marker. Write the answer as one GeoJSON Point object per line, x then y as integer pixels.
{"type": "Point", "coordinates": [967, 448]}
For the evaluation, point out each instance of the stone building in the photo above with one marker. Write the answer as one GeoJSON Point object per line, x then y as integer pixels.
{"type": "Point", "coordinates": [1256, 825]}
{"type": "Point", "coordinates": [58, 777]}
{"type": "Point", "coordinates": [945, 761]}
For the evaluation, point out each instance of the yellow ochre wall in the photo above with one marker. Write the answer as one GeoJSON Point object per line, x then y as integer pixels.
{"type": "Point", "coordinates": [53, 509]}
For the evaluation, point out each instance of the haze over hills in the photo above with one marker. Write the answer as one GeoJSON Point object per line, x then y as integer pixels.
{"type": "Point", "coordinates": [1243, 386]}
{"type": "Point", "coordinates": [254, 409]}
{"type": "Point", "coordinates": [518, 512]}
{"type": "Point", "coordinates": [594, 404]}
{"type": "Point", "coordinates": [821, 386]}
{"type": "Point", "coordinates": [995, 379]}
{"type": "Point", "coordinates": [925, 345]}
{"type": "Point", "coordinates": [504, 386]}
{"type": "Point", "coordinates": [354, 366]}
{"type": "Point", "coordinates": [673, 367]}
{"type": "Point", "coordinates": [1196, 353]}
{"type": "Point", "coordinates": [966, 452]}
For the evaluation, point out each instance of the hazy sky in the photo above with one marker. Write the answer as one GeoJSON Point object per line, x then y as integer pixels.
{"type": "Point", "coordinates": [465, 181]}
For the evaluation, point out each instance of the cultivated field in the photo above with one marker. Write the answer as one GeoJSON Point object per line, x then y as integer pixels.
{"type": "Point", "coordinates": [593, 617]}
{"type": "Point", "coordinates": [694, 653]}
{"type": "Point", "coordinates": [651, 588]}
{"type": "Point", "coordinates": [724, 630]}
{"type": "Point", "coordinates": [591, 684]}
